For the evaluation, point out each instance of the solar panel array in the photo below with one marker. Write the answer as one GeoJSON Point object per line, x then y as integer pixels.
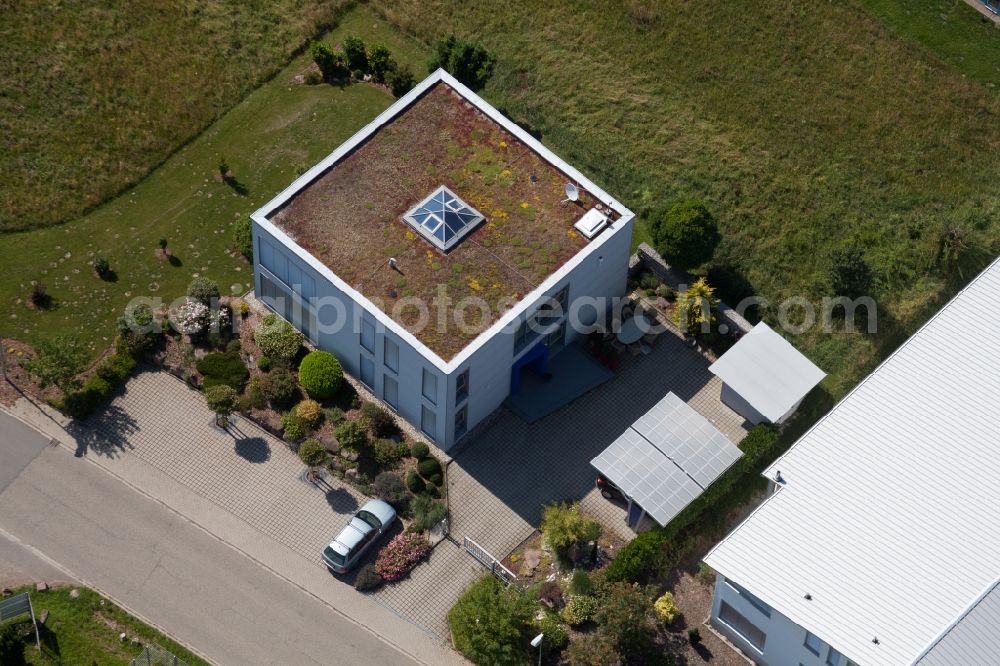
{"type": "Point", "coordinates": [667, 458]}
{"type": "Point", "coordinates": [443, 218]}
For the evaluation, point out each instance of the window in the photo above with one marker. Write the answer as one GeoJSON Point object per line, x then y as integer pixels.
{"type": "Point", "coordinates": [368, 334]}
{"type": "Point", "coordinates": [554, 340]}
{"type": "Point", "coordinates": [833, 658]}
{"type": "Point", "coordinates": [462, 386]}
{"type": "Point", "coordinates": [367, 372]}
{"type": "Point", "coordinates": [743, 627]}
{"type": "Point", "coordinates": [430, 386]}
{"type": "Point", "coordinates": [521, 336]}
{"type": "Point", "coordinates": [390, 391]}
{"type": "Point", "coordinates": [461, 421]}
{"type": "Point", "coordinates": [428, 422]}
{"type": "Point", "coordinates": [751, 599]}
{"type": "Point", "coordinates": [813, 643]}
{"type": "Point", "coordinates": [391, 355]}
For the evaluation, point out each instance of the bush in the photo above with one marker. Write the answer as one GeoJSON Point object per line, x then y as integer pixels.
{"type": "Point", "coordinates": [581, 584]}
{"type": "Point", "coordinates": [224, 369]}
{"type": "Point", "coordinates": [580, 609]}
{"type": "Point", "coordinates": [431, 489]}
{"type": "Point", "coordinates": [435, 480]}
{"type": "Point", "coordinates": [685, 233]}
{"type": "Point", "coordinates": [309, 412]}
{"type": "Point", "coordinates": [116, 369]}
{"type": "Point", "coordinates": [563, 526]}
{"type": "Point", "coordinates": [556, 637]}
{"type": "Point", "coordinates": [101, 266]}
{"type": "Point", "coordinates": [849, 273]}
{"type": "Point", "coordinates": [57, 360]}
{"type": "Point", "coordinates": [401, 81]}
{"type": "Point", "coordinates": [320, 375]}
{"type": "Point", "coordinates": [390, 487]}
{"type": "Point", "coordinates": [468, 62]}
{"type": "Point", "coordinates": [380, 61]}
{"type": "Point", "coordinates": [279, 388]}
{"type": "Point", "coordinates": [414, 482]}
{"type": "Point", "coordinates": [420, 450]}
{"type": "Point", "coordinates": [351, 436]}
{"type": "Point", "coordinates": [550, 594]}
{"type": "Point", "coordinates": [387, 453]}
{"type": "Point", "coordinates": [82, 403]}
{"type": "Point", "coordinates": [639, 559]}
{"type": "Point", "coordinates": [597, 649]}
{"type": "Point", "coordinates": [695, 309]}
{"type": "Point", "coordinates": [294, 427]}
{"type": "Point", "coordinates": [222, 399]}
{"type": "Point", "coordinates": [11, 646]}
{"type": "Point", "coordinates": [426, 513]}
{"type": "Point", "coordinates": [623, 614]}
{"type": "Point", "coordinates": [255, 395]}
{"type": "Point", "coordinates": [429, 467]}
{"type": "Point", "coordinates": [491, 624]}
{"type": "Point", "coordinates": [330, 62]}
{"type": "Point", "coordinates": [277, 338]}
{"type": "Point", "coordinates": [334, 414]}
{"type": "Point", "coordinates": [694, 636]}
{"type": "Point", "coordinates": [312, 452]}
{"type": "Point", "coordinates": [400, 555]}
{"type": "Point", "coordinates": [354, 53]}
{"type": "Point", "coordinates": [378, 420]}
{"type": "Point", "coordinates": [263, 364]}
{"type": "Point", "coordinates": [367, 578]}
{"type": "Point", "coordinates": [243, 238]}
{"type": "Point", "coordinates": [647, 280]}
{"type": "Point", "coordinates": [665, 608]}
{"type": "Point", "coordinates": [203, 291]}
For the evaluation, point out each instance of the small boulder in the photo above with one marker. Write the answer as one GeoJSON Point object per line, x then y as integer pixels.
{"type": "Point", "coordinates": [74, 594]}
{"type": "Point", "coordinates": [43, 617]}
{"type": "Point", "coordinates": [532, 558]}
{"type": "Point", "coordinates": [122, 637]}
{"type": "Point", "coordinates": [41, 586]}
{"type": "Point", "coordinates": [7, 592]}
{"type": "Point", "coordinates": [352, 474]}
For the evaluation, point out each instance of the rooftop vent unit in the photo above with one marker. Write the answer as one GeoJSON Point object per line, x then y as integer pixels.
{"type": "Point", "coordinates": [591, 224]}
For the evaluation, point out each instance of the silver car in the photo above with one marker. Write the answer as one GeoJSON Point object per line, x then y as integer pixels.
{"type": "Point", "coordinates": [371, 521]}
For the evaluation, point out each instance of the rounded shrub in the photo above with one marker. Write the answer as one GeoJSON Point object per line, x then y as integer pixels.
{"type": "Point", "coordinates": [579, 609]}
{"type": "Point", "coordinates": [368, 578]}
{"type": "Point", "coordinates": [414, 482]}
{"type": "Point", "coordinates": [386, 452]}
{"type": "Point", "coordinates": [203, 290]}
{"type": "Point", "coordinates": [312, 452]}
{"type": "Point", "coordinates": [116, 368]}
{"type": "Point", "coordinates": [351, 435]}
{"type": "Point", "coordinates": [378, 420]}
{"type": "Point", "coordinates": [420, 450]}
{"type": "Point", "coordinates": [685, 233]}
{"type": "Point", "coordinates": [390, 487]}
{"type": "Point", "coordinates": [431, 490]}
{"type": "Point", "coordinates": [436, 479]}
{"type": "Point", "coordinates": [665, 608]}
{"type": "Point", "coordinates": [277, 338]}
{"type": "Point", "coordinates": [224, 369]}
{"type": "Point", "coordinates": [320, 375]}
{"type": "Point", "coordinates": [294, 428]}
{"type": "Point", "coordinates": [263, 364]}
{"type": "Point", "coordinates": [556, 636]}
{"type": "Point", "coordinates": [101, 266]}
{"type": "Point", "coordinates": [279, 388]}
{"type": "Point", "coordinates": [309, 412]}
{"type": "Point", "coordinates": [429, 467]}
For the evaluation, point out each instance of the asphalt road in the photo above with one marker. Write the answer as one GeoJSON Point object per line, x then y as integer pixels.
{"type": "Point", "coordinates": [57, 511]}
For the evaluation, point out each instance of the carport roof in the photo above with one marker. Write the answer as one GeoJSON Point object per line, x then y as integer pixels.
{"type": "Point", "coordinates": [667, 458]}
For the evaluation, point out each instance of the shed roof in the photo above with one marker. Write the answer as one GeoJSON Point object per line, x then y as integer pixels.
{"type": "Point", "coordinates": [768, 372]}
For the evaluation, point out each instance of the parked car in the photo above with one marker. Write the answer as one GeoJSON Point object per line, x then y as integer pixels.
{"type": "Point", "coordinates": [346, 549]}
{"type": "Point", "coordinates": [609, 490]}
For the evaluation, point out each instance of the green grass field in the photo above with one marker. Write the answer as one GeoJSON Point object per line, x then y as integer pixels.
{"type": "Point", "coordinates": [278, 131]}
{"type": "Point", "coordinates": [96, 94]}
{"type": "Point", "coordinates": [85, 632]}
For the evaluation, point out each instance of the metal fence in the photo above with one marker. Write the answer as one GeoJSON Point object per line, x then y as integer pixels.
{"type": "Point", "coordinates": [488, 561]}
{"type": "Point", "coordinates": [154, 655]}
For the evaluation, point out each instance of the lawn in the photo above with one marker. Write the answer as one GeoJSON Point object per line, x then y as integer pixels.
{"type": "Point", "coordinates": [277, 132]}
{"type": "Point", "coordinates": [804, 127]}
{"type": "Point", "coordinates": [85, 631]}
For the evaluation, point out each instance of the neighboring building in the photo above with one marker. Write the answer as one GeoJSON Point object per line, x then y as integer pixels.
{"type": "Point", "coordinates": [441, 196]}
{"type": "Point", "coordinates": [881, 541]}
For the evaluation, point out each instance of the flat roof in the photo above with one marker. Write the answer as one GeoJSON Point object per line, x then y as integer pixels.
{"type": "Point", "coordinates": [887, 515]}
{"type": "Point", "coordinates": [767, 371]}
{"type": "Point", "coordinates": [350, 214]}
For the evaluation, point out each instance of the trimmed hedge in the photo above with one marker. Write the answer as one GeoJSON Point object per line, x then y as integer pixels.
{"type": "Point", "coordinates": [277, 338]}
{"type": "Point", "coordinates": [420, 450]}
{"type": "Point", "coordinates": [644, 556]}
{"type": "Point", "coordinates": [320, 375]}
{"type": "Point", "coordinates": [429, 467]}
{"type": "Point", "coordinates": [414, 482]}
{"type": "Point", "coordinates": [224, 369]}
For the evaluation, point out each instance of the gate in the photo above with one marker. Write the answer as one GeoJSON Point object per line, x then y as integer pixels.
{"type": "Point", "coordinates": [505, 575]}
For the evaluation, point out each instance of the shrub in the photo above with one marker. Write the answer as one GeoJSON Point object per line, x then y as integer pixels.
{"type": "Point", "coordinates": [639, 559]}
{"type": "Point", "coordinates": [665, 608]}
{"type": "Point", "coordinates": [390, 487]}
{"type": "Point", "coordinates": [427, 512]}
{"type": "Point", "coordinates": [580, 609]}
{"type": "Point", "coordinates": [351, 435]}
{"type": "Point", "coordinates": [400, 555]}
{"type": "Point", "coordinates": [203, 291]}
{"type": "Point", "coordinates": [39, 295]}
{"type": "Point", "coordinates": [277, 338]}
{"type": "Point", "coordinates": [436, 480]}
{"type": "Point", "coordinates": [11, 646]}
{"type": "Point", "coordinates": [255, 394]}
{"type": "Point", "coordinates": [580, 583]}
{"type": "Point", "coordinates": [623, 614]}
{"type": "Point", "coordinates": [685, 233]}
{"type": "Point", "coordinates": [312, 452]}
{"type": "Point", "coordinates": [414, 482]}
{"type": "Point", "coordinates": [647, 280]}
{"type": "Point", "coordinates": [491, 624]}
{"type": "Point", "coordinates": [705, 574]}
{"type": "Point", "coordinates": [563, 525]}
{"type": "Point", "coordinates": [279, 388]}
{"type": "Point", "coordinates": [82, 403]}
{"type": "Point", "coordinates": [243, 238]}
{"type": "Point", "coordinates": [334, 414]}
{"type": "Point", "coordinates": [378, 420]}
{"type": "Point", "coordinates": [224, 369]}
{"type": "Point", "coordinates": [431, 489]}
{"type": "Point", "coordinates": [263, 364]}
{"type": "Point", "coordinates": [101, 266]}
{"type": "Point", "coordinates": [116, 369]}
{"type": "Point", "coordinates": [330, 62]}
{"type": "Point", "coordinates": [309, 412]}
{"type": "Point", "coordinates": [696, 307]}
{"type": "Point", "coordinates": [294, 428]}
{"type": "Point", "coordinates": [320, 374]}
{"type": "Point", "coordinates": [556, 637]}
{"type": "Point", "coordinates": [420, 450]}
{"type": "Point", "coordinates": [386, 452]}
{"type": "Point", "coordinates": [191, 317]}
{"type": "Point", "coordinates": [234, 345]}
{"type": "Point", "coordinates": [429, 467]}
{"type": "Point", "coordinates": [57, 361]}
{"type": "Point", "coordinates": [849, 273]}
{"type": "Point", "coordinates": [354, 53]}
{"type": "Point", "coordinates": [468, 62]}
{"type": "Point", "coordinates": [597, 649]}
{"type": "Point", "coordinates": [367, 579]}
{"type": "Point", "coordinates": [380, 61]}
{"type": "Point", "coordinates": [550, 593]}
{"type": "Point", "coordinates": [401, 81]}
{"type": "Point", "coordinates": [162, 243]}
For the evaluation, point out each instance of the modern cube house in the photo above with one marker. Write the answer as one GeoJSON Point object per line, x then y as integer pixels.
{"type": "Point", "coordinates": [437, 252]}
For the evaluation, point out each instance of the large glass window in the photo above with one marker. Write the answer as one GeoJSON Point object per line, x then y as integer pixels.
{"type": "Point", "coordinates": [430, 386]}
{"type": "Point", "coordinates": [391, 355]}
{"type": "Point", "coordinates": [754, 601]}
{"type": "Point", "coordinates": [461, 421]}
{"type": "Point", "coordinates": [743, 627]}
{"type": "Point", "coordinates": [833, 658]}
{"type": "Point", "coordinates": [462, 387]}
{"type": "Point", "coordinates": [813, 643]}
{"type": "Point", "coordinates": [390, 390]}
{"type": "Point", "coordinates": [368, 334]}
{"type": "Point", "coordinates": [428, 422]}
{"type": "Point", "coordinates": [367, 371]}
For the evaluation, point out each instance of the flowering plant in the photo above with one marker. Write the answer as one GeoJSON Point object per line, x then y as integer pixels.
{"type": "Point", "coordinates": [191, 318]}
{"type": "Point", "coordinates": [400, 555]}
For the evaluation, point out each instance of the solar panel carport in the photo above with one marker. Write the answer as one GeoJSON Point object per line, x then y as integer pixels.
{"type": "Point", "coordinates": [666, 459]}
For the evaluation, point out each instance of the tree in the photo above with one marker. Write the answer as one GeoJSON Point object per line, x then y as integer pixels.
{"type": "Point", "coordinates": [563, 526]}
{"type": "Point", "coordinates": [223, 400]}
{"type": "Point", "coordinates": [401, 80]}
{"type": "Point", "coordinates": [203, 290]}
{"type": "Point", "coordinates": [849, 273]}
{"type": "Point", "coordinates": [325, 58]}
{"type": "Point", "coordinates": [57, 361]}
{"type": "Point", "coordinates": [11, 646]}
{"type": "Point", "coordinates": [491, 624]}
{"type": "Point", "coordinates": [381, 62]}
{"type": "Point", "coordinates": [624, 615]}
{"type": "Point", "coordinates": [312, 452]}
{"type": "Point", "coordinates": [468, 62]}
{"type": "Point", "coordinates": [354, 53]}
{"type": "Point", "coordinates": [597, 649]}
{"type": "Point", "coordinates": [696, 308]}
{"type": "Point", "coordinates": [685, 233]}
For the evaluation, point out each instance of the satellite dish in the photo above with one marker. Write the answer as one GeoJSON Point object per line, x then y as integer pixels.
{"type": "Point", "coordinates": [572, 192]}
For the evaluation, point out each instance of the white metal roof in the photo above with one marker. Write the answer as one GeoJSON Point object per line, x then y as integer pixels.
{"type": "Point", "coordinates": [768, 372]}
{"type": "Point", "coordinates": [973, 639]}
{"type": "Point", "coordinates": [888, 515]}
{"type": "Point", "coordinates": [667, 458]}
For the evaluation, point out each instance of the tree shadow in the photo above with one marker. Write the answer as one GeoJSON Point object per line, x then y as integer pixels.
{"type": "Point", "coordinates": [253, 449]}
{"type": "Point", "coordinates": [703, 652]}
{"type": "Point", "coordinates": [732, 287]}
{"type": "Point", "coordinates": [236, 186]}
{"type": "Point", "coordinates": [175, 261]}
{"type": "Point", "coordinates": [340, 500]}
{"type": "Point", "coordinates": [109, 276]}
{"type": "Point", "coordinates": [105, 433]}
{"type": "Point", "coordinates": [50, 642]}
